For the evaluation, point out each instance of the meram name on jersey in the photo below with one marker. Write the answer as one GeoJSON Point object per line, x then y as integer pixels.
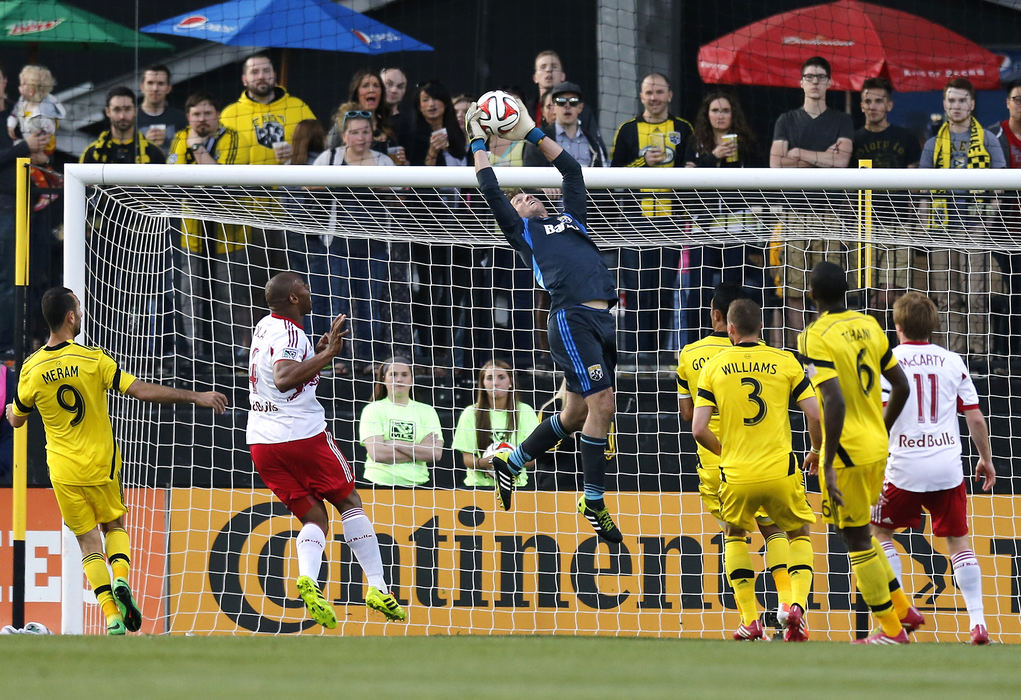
{"type": "Point", "coordinates": [749, 367]}
{"type": "Point", "coordinates": [59, 373]}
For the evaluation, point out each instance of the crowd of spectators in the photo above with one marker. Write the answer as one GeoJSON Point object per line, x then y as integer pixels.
{"type": "Point", "coordinates": [434, 304]}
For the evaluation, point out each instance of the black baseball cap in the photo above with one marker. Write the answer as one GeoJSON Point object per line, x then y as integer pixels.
{"type": "Point", "coordinates": [566, 87]}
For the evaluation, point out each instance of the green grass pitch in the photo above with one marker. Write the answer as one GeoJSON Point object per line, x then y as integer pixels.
{"type": "Point", "coordinates": [529, 668]}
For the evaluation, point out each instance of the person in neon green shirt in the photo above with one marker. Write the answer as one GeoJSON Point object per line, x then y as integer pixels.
{"type": "Point", "coordinates": [496, 416]}
{"type": "Point", "coordinates": [401, 436]}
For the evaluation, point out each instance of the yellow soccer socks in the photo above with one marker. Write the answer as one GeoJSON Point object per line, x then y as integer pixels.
{"type": "Point", "coordinates": [897, 596]}
{"type": "Point", "coordinates": [738, 563]}
{"type": "Point", "coordinates": [778, 562]}
{"type": "Point", "coordinates": [118, 548]}
{"type": "Point", "coordinates": [875, 588]}
{"type": "Point", "coordinates": [800, 564]}
{"type": "Point", "coordinates": [94, 565]}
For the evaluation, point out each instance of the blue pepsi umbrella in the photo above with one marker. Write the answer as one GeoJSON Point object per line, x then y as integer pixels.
{"type": "Point", "coordinates": [294, 24]}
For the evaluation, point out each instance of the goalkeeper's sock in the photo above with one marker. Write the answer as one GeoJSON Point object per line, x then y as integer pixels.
{"type": "Point", "coordinates": [777, 555]}
{"type": "Point", "coordinates": [900, 602]}
{"type": "Point", "coordinates": [545, 436]}
{"type": "Point", "coordinates": [593, 464]}
{"type": "Point", "coordinates": [361, 538]}
{"type": "Point", "coordinates": [94, 565]}
{"type": "Point", "coordinates": [742, 578]}
{"type": "Point", "coordinates": [118, 548]}
{"type": "Point", "coordinates": [875, 589]}
{"type": "Point", "coordinates": [310, 545]}
{"type": "Point", "coordinates": [800, 563]}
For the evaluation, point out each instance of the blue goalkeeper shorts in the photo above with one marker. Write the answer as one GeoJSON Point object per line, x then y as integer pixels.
{"type": "Point", "coordinates": [583, 343]}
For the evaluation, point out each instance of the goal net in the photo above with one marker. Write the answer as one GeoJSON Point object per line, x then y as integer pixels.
{"type": "Point", "coordinates": [170, 262]}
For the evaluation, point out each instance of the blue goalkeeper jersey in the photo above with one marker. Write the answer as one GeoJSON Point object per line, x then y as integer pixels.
{"type": "Point", "coordinates": [564, 260]}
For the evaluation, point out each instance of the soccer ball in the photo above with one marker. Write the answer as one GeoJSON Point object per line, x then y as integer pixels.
{"type": "Point", "coordinates": [497, 448]}
{"type": "Point", "coordinates": [499, 112]}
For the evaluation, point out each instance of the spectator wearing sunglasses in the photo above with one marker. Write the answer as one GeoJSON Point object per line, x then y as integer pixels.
{"type": "Point", "coordinates": [568, 131]}
{"type": "Point", "coordinates": [367, 92]}
{"type": "Point", "coordinates": [549, 72]}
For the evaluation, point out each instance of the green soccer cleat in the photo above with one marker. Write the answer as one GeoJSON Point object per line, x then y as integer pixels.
{"type": "Point", "coordinates": [127, 605]}
{"type": "Point", "coordinates": [319, 609]}
{"type": "Point", "coordinates": [386, 604]}
{"type": "Point", "coordinates": [116, 628]}
{"type": "Point", "coordinates": [601, 521]}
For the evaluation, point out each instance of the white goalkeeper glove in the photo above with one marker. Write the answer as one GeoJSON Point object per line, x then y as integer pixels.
{"type": "Point", "coordinates": [525, 129]}
{"type": "Point", "coordinates": [474, 129]}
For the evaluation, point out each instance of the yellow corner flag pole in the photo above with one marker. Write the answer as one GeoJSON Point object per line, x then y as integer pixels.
{"type": "Point", "coordinates": [865, 233]}
{"type": "Point", "coordinates": [19, 490]}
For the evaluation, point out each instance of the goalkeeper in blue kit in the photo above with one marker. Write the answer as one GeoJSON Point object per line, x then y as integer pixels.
{"type": "Point", "coordinates": [582, 334]}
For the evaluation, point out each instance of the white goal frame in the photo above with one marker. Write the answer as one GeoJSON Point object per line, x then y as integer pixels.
{"type": "Point", "coordinates": [78, 177]}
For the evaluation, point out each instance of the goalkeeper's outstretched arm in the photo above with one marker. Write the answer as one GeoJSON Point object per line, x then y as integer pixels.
{"type": "Point", "coordinates": [506, 217]}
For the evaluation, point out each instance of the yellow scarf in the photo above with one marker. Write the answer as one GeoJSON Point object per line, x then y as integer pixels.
{"type": "Point", "coordinates": [978, 155]}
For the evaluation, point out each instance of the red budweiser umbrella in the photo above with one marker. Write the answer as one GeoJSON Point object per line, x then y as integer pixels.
{"type": "Point", "coordinates": [860, 40]}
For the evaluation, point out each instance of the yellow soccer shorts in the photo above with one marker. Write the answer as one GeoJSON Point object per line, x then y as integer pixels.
{"type": "Point", "coordinates": [84, 507]}
{"type": "Point", "coordinates": [783, 500]}
{"type": "Point", "coordinates": [860, 486]}
{"type": "Point", "coordinates": [709, 491]}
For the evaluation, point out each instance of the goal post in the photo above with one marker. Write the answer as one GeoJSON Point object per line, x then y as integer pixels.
{"type": "Point", "coordinates": [414, 256]}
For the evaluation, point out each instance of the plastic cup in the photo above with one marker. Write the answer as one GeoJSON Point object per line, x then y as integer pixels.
{"type": "Point", "coordinates": [731, 138]}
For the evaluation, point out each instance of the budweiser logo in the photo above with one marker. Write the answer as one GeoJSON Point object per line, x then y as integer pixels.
{"type": "Point", "coordinates": [817, 40]}
{"type": "Point", "coordinates": [33, 26]}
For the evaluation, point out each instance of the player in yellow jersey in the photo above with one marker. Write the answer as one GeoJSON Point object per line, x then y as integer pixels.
{"type": "Point", "coordinates": [689, 366]}
{"type": "Point", "coordinates": [67, 384]}
{"type": "Point", "coordinates": [844, 353]}
{"type": "Point", "coordinates": [750, 386]}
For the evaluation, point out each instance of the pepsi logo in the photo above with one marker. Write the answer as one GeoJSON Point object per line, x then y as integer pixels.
{"type": "Point", "coordinates": [192, 22]}
{"type": "Point", "coordinates": [32, 26]}
{"type": "Point", "coordinates": [201, 22]}
{"type": "Point", "coordinates": [370, 39]}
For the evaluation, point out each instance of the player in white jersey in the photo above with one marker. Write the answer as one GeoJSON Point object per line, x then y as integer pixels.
{"type": "Point", "coordinates": [293, 452]}
{"type": "Point", "coordinates": [924, 469]}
